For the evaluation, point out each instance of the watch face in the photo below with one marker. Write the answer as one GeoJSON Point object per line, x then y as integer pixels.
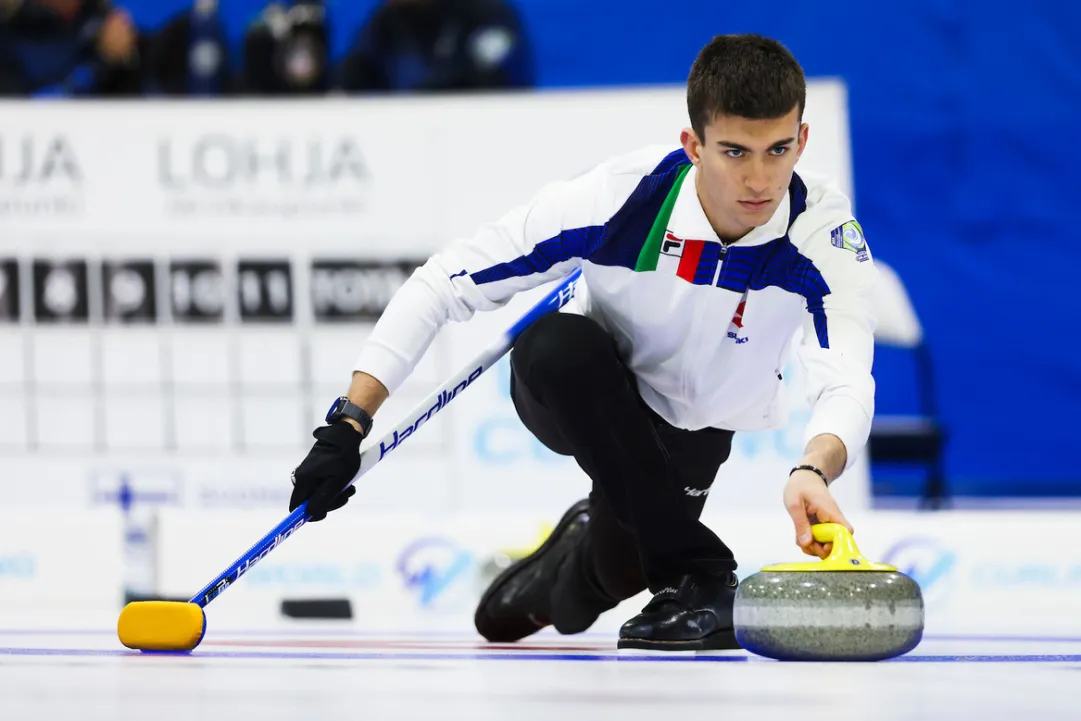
{"type": "Point", "coordinates": [333, 408]}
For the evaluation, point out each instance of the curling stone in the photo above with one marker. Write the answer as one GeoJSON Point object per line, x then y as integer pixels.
{"type": "Point", "coordinates": [843, 608]}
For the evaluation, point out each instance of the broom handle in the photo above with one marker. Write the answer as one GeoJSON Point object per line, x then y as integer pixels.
{"type": "Point", "coordinates": [376, 452]}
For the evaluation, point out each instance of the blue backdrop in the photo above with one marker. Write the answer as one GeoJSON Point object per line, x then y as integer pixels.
{"type": "Point", "coordinates": [965, 118]}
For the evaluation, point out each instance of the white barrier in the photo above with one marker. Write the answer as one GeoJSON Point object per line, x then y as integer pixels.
{"type": "Point", "coordinates": [60, 560]}
{"type": "Point", "coordinates": [979, 572]}
{"type": "Point", "coordinates": [399, 571]}
{"type": "Point", "coordinates": [342, 171]}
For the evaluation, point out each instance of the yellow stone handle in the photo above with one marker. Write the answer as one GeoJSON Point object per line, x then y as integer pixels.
{"type": "Point", "coordinates": [844, 556]}
{"type": "Point", "coordinates": [844, 546]}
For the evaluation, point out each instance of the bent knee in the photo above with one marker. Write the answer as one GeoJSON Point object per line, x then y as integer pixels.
{"type": "Point", "coordinates": [563, 347]}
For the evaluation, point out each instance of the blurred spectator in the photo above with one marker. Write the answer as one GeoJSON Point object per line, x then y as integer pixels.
{"type": "Point", "coordinates": [189, 55]}
{"type": "Point", "coordinates": [432, 45]}
{"type": "Point", "coordinates": [286, 50]}
{"type": "Point", "coordinates": [68, 48]}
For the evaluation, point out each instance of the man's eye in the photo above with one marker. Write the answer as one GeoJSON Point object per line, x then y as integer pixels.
{"type": "Point", "coordinates": [733, 153]}
{"type": "Point", "coordinates": [779, 151]}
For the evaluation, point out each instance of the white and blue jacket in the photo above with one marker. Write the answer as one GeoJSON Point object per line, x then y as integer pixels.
{"type": "Point", "coordinates": [705, 327]}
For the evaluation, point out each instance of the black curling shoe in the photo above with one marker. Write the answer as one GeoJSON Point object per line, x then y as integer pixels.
{"type": "Point", "coordinates": [517, 603]}
{"type": "Point", "coordinates": [695, 615]}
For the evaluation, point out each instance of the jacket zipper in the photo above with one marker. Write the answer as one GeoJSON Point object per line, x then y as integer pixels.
{"type": "Point", "coordinates": [720, 264]}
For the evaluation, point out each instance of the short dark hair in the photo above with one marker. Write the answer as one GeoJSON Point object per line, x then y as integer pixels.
{"type": "Point", "coordinates": [748, 76]}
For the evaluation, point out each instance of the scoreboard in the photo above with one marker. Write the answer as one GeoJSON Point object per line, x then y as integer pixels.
{"type": "Point", "coordinates": [195, 290]}
{"type": "Point", "coordinates": [201, 354]}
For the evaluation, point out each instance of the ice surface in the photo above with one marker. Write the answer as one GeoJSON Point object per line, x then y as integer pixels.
{"type": "Point", "coordinates": [74, 668]}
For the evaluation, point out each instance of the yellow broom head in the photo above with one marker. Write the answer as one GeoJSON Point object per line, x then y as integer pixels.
{"type": "Point", "coordinates": [161, 626]}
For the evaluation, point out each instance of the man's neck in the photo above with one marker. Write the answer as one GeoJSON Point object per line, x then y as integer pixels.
{"type": "Point", "coordinates": [727, 234]}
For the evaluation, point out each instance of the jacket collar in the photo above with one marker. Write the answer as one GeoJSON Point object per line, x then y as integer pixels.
{"type": "Point", "coordinates": [689, 220]}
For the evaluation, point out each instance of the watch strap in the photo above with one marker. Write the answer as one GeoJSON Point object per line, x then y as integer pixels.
{"type": "Point", "coordinates": [345, 408]}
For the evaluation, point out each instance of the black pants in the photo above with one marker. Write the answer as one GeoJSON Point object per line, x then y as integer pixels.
{"type": "Point", "coordinates": [650, 479]}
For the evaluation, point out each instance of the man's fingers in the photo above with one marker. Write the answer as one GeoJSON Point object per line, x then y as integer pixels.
{"type": "Point", "coordinates": [830, 512]}
{"type": "Point", "coordinates": [342, 498]}
{"type": "Point", "coordinates": [819, 550]}
{"type": "Point", "coordinates": [798, 512]}
{"type": "Point", "coordinates": [840, 518]}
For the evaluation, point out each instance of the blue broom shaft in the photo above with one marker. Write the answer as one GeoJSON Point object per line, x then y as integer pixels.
{"type": "Point", "coordinates": [555, 300]}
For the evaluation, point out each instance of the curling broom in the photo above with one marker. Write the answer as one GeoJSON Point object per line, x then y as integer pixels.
{"type": "Point", "coordinates": [177, 626]}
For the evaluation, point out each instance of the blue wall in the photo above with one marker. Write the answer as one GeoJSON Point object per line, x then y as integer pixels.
{"type": "Point", "coordinates": [965, 122]}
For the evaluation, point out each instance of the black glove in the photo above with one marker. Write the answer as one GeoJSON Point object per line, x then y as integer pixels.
{"type": "Point", "coordinates": [331, 463]}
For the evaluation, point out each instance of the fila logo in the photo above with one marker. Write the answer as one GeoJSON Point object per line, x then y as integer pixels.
{"type": "Point", "coordinates": [695, 261]}
{"type": "Point", "coordinates": [671, 245]}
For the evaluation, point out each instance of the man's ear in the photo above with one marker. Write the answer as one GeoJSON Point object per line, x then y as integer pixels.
{"type": "Point", "coordinates": [804, 131]}
{"type": "Point", "coordinates": [692, 145]}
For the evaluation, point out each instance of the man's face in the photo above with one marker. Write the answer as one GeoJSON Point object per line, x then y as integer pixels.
{"type": "Point", "coordinates": [744, 168]}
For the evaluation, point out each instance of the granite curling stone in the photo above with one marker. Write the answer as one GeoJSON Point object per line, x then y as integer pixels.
{"type": "Point", "coordinates": [843, 608]}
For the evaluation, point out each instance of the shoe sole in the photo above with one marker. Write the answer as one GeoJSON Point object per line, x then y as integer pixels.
{"type": "Point", "coordinates": [719, 641]}
{"type": "Point", "coordinates": [501, 580]}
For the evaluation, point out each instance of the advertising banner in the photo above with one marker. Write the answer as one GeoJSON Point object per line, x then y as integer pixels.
{"type": "Point", "coordinates": [59, 561]}
{"type": "Point", "coordinates": [381, 178]}
{"type": "Point", "coordinates": [979, 573]}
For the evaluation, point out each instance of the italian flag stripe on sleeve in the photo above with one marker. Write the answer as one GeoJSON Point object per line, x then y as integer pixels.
{"type": "Point", "coordinates": [688, 263]}
{"type": "Point", "coordinates": [647, 256]}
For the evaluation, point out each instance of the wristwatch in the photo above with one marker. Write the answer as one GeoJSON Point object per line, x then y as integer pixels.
{"type": "Point", "coordinates": [345, 408]}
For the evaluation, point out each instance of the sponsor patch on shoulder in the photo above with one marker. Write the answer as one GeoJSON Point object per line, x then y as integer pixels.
{"type": "Point", "coordinates": [850, 237]}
